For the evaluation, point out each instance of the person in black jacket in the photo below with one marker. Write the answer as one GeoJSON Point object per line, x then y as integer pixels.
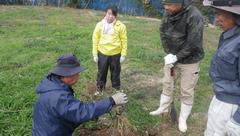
{"type": "Point", "coordinates": [181, 33]}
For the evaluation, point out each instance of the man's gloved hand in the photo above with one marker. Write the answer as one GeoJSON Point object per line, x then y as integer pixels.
{"type": "Point", "coordinates": [95, 58]}
{"type": "Point", "coordinates": [170, 59]}
{"type": "Point", "coordinates": [122, 58]}
{"type": "Point", "coordinates": [120, 98]}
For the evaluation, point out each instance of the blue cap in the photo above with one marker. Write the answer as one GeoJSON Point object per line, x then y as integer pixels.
{"type": "Point", "coordinates": [67, 65]}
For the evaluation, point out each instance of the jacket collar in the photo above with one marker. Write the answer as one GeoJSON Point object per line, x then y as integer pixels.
{"type": "Point", "coordinates": [60, 82]}
{"type": "Point", "coordinates": [232, 32]}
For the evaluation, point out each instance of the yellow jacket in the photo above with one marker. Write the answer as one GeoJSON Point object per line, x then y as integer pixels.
{"type": "Point", "coordinates": [110, 44]}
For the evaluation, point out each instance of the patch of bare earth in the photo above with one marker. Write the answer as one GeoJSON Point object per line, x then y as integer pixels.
{"type": "Point", "coordinates": [137, 80]}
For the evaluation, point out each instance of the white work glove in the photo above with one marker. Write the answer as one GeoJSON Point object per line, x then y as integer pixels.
{"type": "Point", "coordinates": [122, 58]}
{"type": "Point", "coordinates": [233, 128]}
{"type": "Point", "coordinates": [95, 58]}
{"type": "Point", "coordinates": [170, 59]}
{"type": "Point", "coordinates": [120, 98]}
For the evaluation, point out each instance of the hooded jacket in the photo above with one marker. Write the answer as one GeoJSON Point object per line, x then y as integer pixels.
{"type": "Point", "coordinates": [182, 34]}
{"type": "Point", "coordinates": [58, 113]}
{"type": "Point", "coordinates": [110, 44]}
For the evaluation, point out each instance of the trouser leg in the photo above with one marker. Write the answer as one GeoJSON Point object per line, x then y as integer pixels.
{"type": "Point", "coordinates": [168, 89]}
{"type": "Point", "coordinates": [115, 69]}
{"type": "Point", "coordinates": [219, 115]}
{"type": "Point", "coordinates": [189, 74]}
{"type": "Point", "coordinates": [189, 77]}
{"type": "Point", "coordinates": [103, 64]}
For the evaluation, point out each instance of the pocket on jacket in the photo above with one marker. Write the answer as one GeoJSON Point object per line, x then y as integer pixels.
{"type": "Point", "coordinates": [226, 65]}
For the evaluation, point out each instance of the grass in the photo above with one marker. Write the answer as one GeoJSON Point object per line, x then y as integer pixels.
{"type": "Point", "coordinates": [32, 38]}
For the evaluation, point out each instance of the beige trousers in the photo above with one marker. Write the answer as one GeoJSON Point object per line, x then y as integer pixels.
{"type": "Point", "coordinates": [188, 74]}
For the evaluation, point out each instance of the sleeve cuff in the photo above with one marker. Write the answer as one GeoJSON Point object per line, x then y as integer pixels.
{"type": "Point", "coordinates": [123, 54]}
{"type": "Point", "coordinates": [112, 101]}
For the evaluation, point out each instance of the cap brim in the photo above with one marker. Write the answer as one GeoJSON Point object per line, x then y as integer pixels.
{"type": "Point", "coordinates": [233, 9]}
{"type": "Point", "coordinates": [67, 71]}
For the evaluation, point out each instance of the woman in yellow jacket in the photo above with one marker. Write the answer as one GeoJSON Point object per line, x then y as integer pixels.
{"type": "Point", "coordinates": [109, 48]}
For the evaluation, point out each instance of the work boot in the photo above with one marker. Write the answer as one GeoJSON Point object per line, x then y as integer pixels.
{"type": "Point", "coordinates": [165, 101]}
{"type": "Point", "coordinates": [184, 113]}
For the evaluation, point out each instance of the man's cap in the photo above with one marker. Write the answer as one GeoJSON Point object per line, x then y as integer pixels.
{"type": "Point", "coordinates": [67, 65]}
{"type": "Point", "coordinates": [232, 6]}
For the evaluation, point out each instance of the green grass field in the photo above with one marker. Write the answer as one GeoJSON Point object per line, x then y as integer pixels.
{"type": "Point", "coordinates": [32, 38]}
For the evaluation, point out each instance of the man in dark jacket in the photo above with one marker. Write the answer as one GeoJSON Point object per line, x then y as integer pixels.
{"type": "Point", "coordinates": [224, 110]}
{"type": "Point", "coordinates": [57, 112]}
{"type": "Point", "coordinates": [181, 33]}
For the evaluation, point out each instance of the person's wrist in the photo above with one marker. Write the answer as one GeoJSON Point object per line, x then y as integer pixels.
{"type": "Point", "coordinates": [112, 101]}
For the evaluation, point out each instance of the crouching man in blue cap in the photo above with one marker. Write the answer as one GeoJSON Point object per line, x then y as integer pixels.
{"type": "Point", "coordinates": [57, 112]}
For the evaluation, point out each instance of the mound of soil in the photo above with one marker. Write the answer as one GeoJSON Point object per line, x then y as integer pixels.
{"type": "Point", "coordinates": [106, 132]}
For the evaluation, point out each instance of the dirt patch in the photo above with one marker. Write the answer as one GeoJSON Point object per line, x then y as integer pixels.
{"type": "Point", "coordinates": [167, 128]}
{"type": "Point", "coordinates": [131, 81]}
{"type": "Point", "coordinates": [105, 132]}
{"type": "Point", "coordinates": [91, 88]}
{"type": "Point", "coordinates": [119, 126]}
{"type": "Point", "coordinates": [137, 80]}
{"type": "Point", "coordinates": [163, 130]}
